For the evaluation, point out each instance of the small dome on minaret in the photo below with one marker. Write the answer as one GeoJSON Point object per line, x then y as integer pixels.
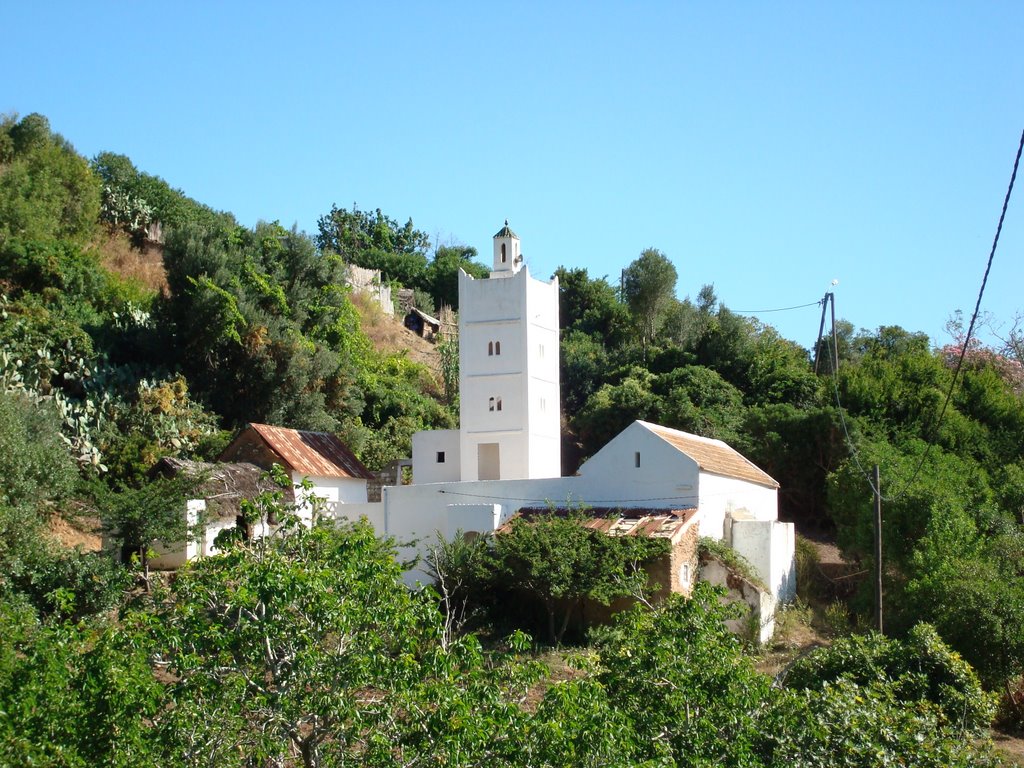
{"type": "Point", "coordinates": [506, 231]}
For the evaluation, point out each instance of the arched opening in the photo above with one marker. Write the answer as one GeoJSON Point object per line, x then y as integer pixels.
{"type": "Point", "coordinates": [503, 257]}
{"type": "Point", "coordinates": [490, 348]}
{"type": "Point", "coordinates": [497, 347]}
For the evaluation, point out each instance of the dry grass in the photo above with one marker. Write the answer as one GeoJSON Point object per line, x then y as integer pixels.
{"type": "Point", "coordinates": [389, 335]}
{"type": "Point", "coordinates": [1010, 747]}
{"type": "Point", "coordinates": [83, 532]}
{"type": "Point", "coordinates": [119, 256]}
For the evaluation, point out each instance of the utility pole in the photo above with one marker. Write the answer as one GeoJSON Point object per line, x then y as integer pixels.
{"type": "Point", "coordinates": [878, 550]}
{"type": "Point", "coordinates": [835, 341]}
{"type": "Point", "coordinates": [827, 300]}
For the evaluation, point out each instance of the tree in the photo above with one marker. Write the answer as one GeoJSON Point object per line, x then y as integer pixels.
{"type": "Point", "coordinates": [590, 306]}
{"type": "Point", "coordinates": [560, 562]}
{"type": "Point", "coordinates": [259, 323]}
{"type": "Point", "coordinates": [47, 190]}
{"type": "Point", "coordinates": [306, 639]}
{"type": "Point", "coordinates": [442, 276]}
{"type": "Point", "coordinates": [132, 200]}
{"type": "Point", "coordinates": [921, 668]}
{"type": "Point", "coordinates": [137, 518]}
{"type": "Point", "coordinates": [375, 241]}
{"type": "Point", "coordinates": [648, 287]}
{"type": "Point", "coordinates": [614, 407]}
{"type": "Point", "coordinates": [690, 695]}
{"type": "Point", "coordinates": [698, 400]}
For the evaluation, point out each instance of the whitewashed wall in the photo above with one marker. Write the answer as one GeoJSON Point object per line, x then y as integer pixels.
{"type": "Point", "coordinates": [719, 495]}
{"type": "Point", "coordinates": [425, 447]}
{"type": "Point", "coordinates": [769, 546]}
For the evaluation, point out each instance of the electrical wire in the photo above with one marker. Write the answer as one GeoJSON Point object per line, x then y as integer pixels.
{"type": "Point", "coordinates": [690, 498]}
{"type": "Point", "coordinates": [778, 309]}
{"type": "Point", "coordinates": [970, 328]}
{"type": "Point", "coordinates": [960, 360]}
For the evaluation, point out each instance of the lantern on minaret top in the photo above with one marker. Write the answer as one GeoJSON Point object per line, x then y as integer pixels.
{"type": "Point", "coordinates": [507, 257]}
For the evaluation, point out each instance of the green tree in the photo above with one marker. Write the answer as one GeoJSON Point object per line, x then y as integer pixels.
{"type": "Point", "coordinates": [442, 276]}
{"type": "Point", "coordinates": [698, 400]}
{"type": "Point", "coordinates": [47, 190]}
{"type": "Point", "coordinates": [132, 200]}
{"type": "Point", "coordinates": [921, 668]}
{"type": "Point", "coordinates": [681, 679]}
{"type": "Point", "coordinates": [137, 518]}
{"type": "Point", "coordinates": [590, 306]}
{"type": "Point", "coordinates": [375, 241]}
{"type": "Point", "coordinates": [648, 287]}
{"type": "Point", "coordinates": [614, 407]}
{"type": "Point", "coordinates": [560, 562]}
{"type": "Point", "coordinates": [259, 323]}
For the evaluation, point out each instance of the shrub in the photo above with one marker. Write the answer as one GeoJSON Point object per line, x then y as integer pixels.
{"type": "Point", "coordinates": [921, 668]}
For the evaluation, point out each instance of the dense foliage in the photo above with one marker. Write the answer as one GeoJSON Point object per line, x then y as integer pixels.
{"type": "Point", "coordinates": [101, 376]}
{"type": "Point", "coordinates": [306, 649]}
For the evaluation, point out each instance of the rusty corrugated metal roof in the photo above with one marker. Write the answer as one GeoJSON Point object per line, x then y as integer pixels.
{"type": "Point", "coordinates": [316, 454]}
{"type": "Point", "coordinates": [713, 455]}
{"type": "Point", "coordinates": [649, 523]}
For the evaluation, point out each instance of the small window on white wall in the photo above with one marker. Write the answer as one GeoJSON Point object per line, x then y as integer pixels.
{"type": "Point", "coordinates": [540, 351]}
{"type": "Point", "coordinates": [636, 459]}
{"type": "Point", "coordinates": [440, 457]}
{"type": "Point", "coordinates": [684, 574]}
{"type": "Point", "coordinates": [499, 403]}
{"type": "Point", "coordinates": [497, 347]}
{"type": "Point", "coordinates": [503, 256]}
{"type": "Point", "coordinates": [490, 348]}
{"type": "Point", "coordinates": [543, 404]}
{"type": "Point", "coordinates": [490, 404]}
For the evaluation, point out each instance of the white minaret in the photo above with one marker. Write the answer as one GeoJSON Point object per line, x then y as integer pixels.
{"type": "Point", "coordinates": [507, 257]}
{"type": "Point", "coordinates": [508, 371]}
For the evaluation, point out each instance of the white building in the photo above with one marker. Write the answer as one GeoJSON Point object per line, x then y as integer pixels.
{"type": "Point", "coordinates": [508, 379]}
{"type": "Point", "coordinates": [506, 454]}
{"type": "Point", "coordinates": [336, 477]}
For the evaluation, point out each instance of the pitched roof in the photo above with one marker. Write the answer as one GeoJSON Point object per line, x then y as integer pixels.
{"type": "Point", "coordinates": [649, 523]}
{"type": "Point", "coordinates": [224, 484]}
{"type": "Point", "coordinates": [713, 456]}
{"type": "Point", "coordinates": [505, 232]}
{"type": "Point", "coordinates": [319, 454]}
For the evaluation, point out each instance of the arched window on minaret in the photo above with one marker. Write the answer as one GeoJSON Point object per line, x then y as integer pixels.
{"type": "Point", "coordinates": [490, 348]}
{"type": "Point", "coordinates": [497, 347]}
{"type": "Point", "coordinates": [504, 257]}
{"type": "Point", "coordinates": [490, 404]}
{"type": "Point", "coordinates": [499, 403]}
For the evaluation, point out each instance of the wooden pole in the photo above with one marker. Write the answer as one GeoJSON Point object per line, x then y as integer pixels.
{"type": "Point", "coordinates": [835, 342]}
{"type": "Point", "coordinates": [878, 550]}
{"type": "Point", "coordinates": [821, 329]}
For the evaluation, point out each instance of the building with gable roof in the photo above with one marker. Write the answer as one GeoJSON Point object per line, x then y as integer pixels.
{"type": "Point", "coordinates": [505, 456]}
{"type": "Point", "coordinates": [337, 478]}
{"type": "Point", "coordinates": [505, 459]}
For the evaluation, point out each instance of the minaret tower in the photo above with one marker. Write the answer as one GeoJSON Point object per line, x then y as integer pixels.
{"type": "Point", "coordinates": [508, 370]}
{"type": "Point", "coordinates": [507, 257]}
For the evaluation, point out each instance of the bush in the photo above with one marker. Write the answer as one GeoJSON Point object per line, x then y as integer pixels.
{"type": "Point", "coordinates": [921, 668]}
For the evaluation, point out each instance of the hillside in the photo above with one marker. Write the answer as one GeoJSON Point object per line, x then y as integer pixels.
{"type": "Point", "coordinates": [389, 336]}
{"type": "Point", "coordinates": [112, 358]}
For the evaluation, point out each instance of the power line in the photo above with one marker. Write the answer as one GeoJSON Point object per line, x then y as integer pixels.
{"type": "Point", "coordinates": [970, 327]}
{"type": "Point", "coordinates": [960, 360]}
{"type": "Point", "coordinates": [777, 309]}
{"type": "Point", "coordinates": [589, 502]}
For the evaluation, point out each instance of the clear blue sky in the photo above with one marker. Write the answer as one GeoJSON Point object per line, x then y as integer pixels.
{"type": "Point", "coordinates": [766, 148]}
